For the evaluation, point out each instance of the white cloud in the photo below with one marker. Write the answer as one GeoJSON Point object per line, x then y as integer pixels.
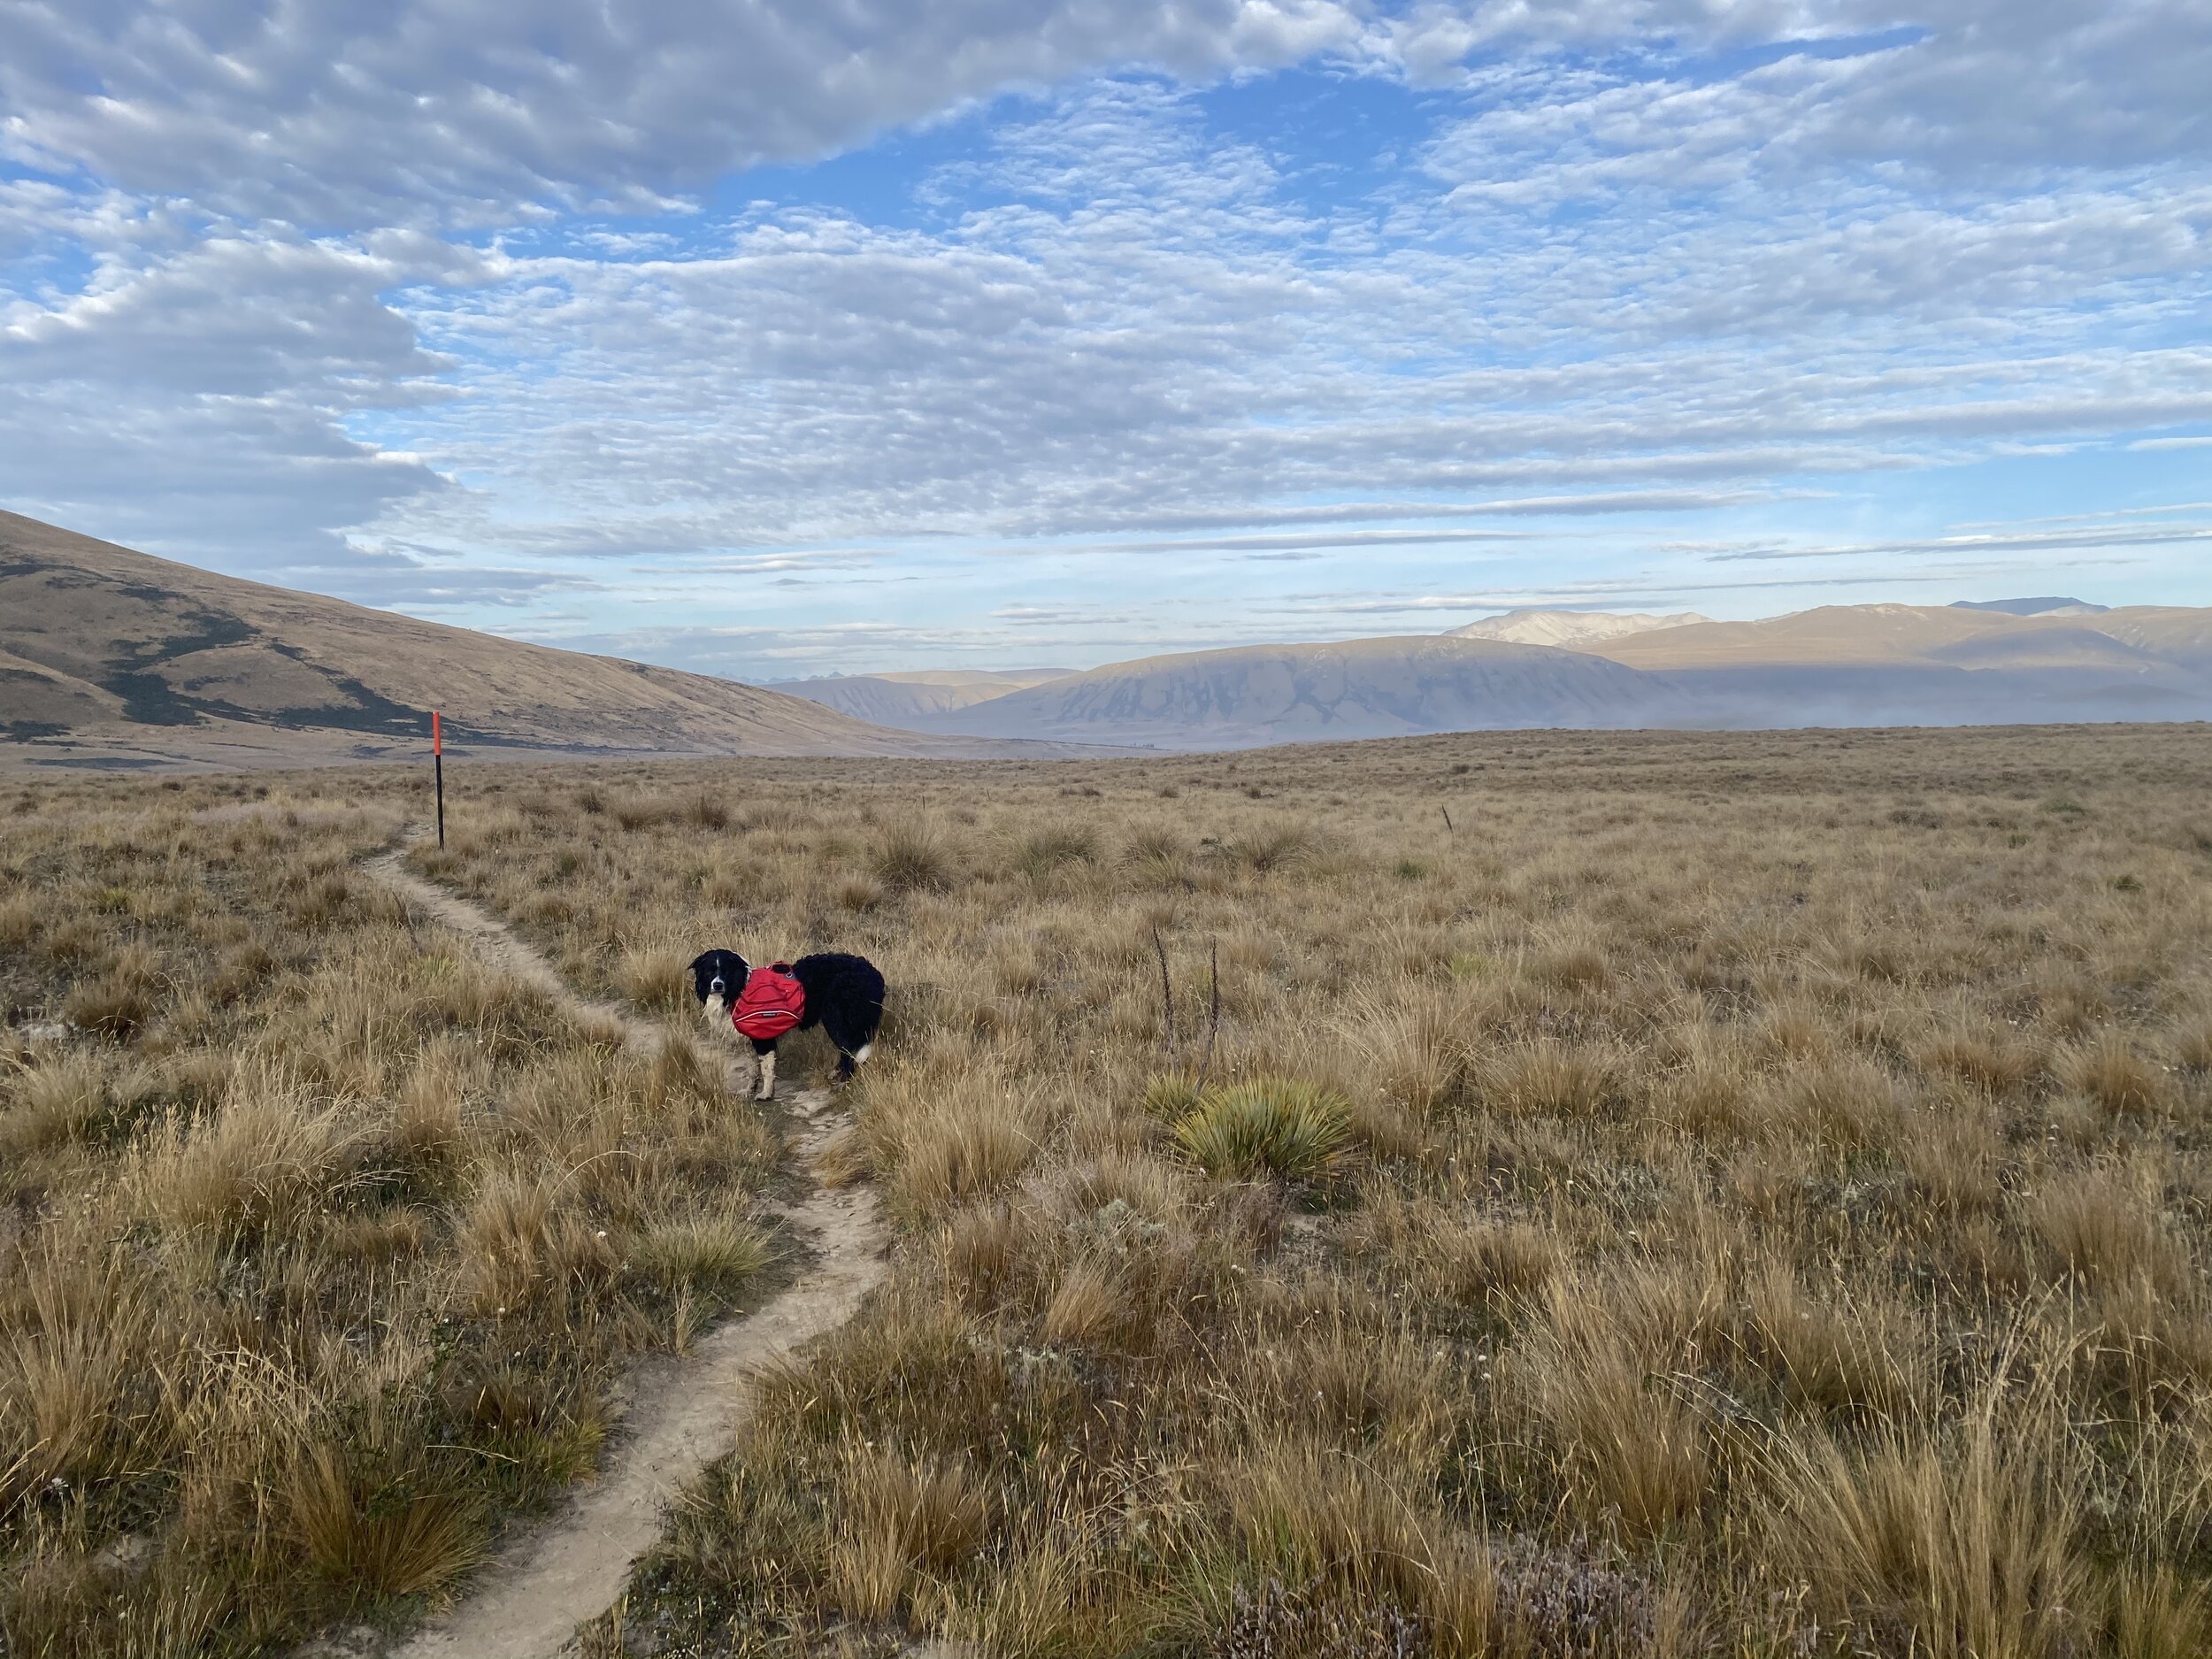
{"type": "Point", "coordinates": [196, 397]}
{"type": "Point", "coordinates": [2035, 542]}
{"type": "Point", "coordinates": [1649, 257]}
{"type": "Point", "coordinates": [1091, 361]}
{"type": "Point", "coordinates": [461, 110]}
{"type": "Point", "coordinates": [1960, 88]}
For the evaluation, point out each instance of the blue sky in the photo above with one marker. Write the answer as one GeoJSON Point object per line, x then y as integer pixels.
{"type": "Point", "coordinates": [776, 338]}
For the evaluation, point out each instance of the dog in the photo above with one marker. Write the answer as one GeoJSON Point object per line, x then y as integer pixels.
{"type": "Point", "coordinates": [844, 996]}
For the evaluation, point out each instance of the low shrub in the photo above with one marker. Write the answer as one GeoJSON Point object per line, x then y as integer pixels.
{"type": "Point", "coordinates": [1274, 1126]}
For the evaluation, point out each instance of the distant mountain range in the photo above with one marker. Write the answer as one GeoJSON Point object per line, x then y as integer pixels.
{"type": "Point", "coordinates": [1982, 662]}
{"type": "Point", "coordinates": [1277, 693]}
{"type": "Point", "coordinates": [113, 657]}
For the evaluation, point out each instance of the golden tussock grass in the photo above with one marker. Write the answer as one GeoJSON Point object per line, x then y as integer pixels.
{"type": "Point", "coordinates": [1730, 1195]}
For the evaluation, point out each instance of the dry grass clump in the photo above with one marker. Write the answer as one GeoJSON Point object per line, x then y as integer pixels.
{"type": "Point", "coordinates": [914, 857]}
{"type": "Point", "coordinates": [2106, 1226]}
{"type": "Point", "coordinates": [1443, 1246]}
{"type": "Point", "coordinates": [1952, 1155]}
{"type": "Point", "coordinates": [1271, 847]}
{"type": "Point", "coordinates": [1635, 1448]}
{"type": "Point", "coordinates": [1422, 1039]}
{"type": "Point", "coordinates": [1956, 1538]}
{"type": "Point", "coordinates": [2108, 1072]}
{"type": "Point", "coordinates": [710, 1250]}
{"type": "Point", "coordinates": [900, 1520]}
{"type": "Point", "coordinates": [1548, 1076]}
{"type": "Point", "coordinates": [380, 1537]}
{"type": "Point", "coordinates": [118, 1005]}
{"type": "Point", "coordinates": [658, 980]}
{"type": "Point", "coordinates": [2192, 1045]}
{"type": "Point", "coordinates": [1846, 1106]}
{"type": "Point", "coordinates": [53, 1102]}
{"type": "Point", "coordinates": [1045, 851]}
{"type": "Point", "coordinates": [1832, 1356]}
{"type": "Point", "coordinates": [66, 1393]}
{"type": "Point", "coordinates": [266, 1155]}
{"type": "Point", "coordinates": [938, 1136]}
{"type": "Point", "coordinates": [1990, 1055]}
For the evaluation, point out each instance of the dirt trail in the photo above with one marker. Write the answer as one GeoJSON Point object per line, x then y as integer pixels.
{"type": "Point", "coordinates": [527, 1603]}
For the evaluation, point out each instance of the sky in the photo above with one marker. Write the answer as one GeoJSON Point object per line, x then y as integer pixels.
{"type": "Point", "coordinates": [773, 338]}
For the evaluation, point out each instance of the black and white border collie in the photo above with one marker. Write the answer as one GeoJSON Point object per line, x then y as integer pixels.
{"type": "Point", "coordinates": [844, 996]}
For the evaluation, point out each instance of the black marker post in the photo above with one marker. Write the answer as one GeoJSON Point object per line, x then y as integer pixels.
{"type": "Point", "coordinates": [437, 762]}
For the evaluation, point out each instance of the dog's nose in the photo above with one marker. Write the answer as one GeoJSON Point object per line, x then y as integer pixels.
{"type": "Point", "coordinates": [716, 987]}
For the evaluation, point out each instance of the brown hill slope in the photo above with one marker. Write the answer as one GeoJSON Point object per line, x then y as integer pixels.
{"type": "Point", "coordinates": [1935, 664]}
{"type": "Point", "coordinates": [2136, 639]}
{"type": "Point", "coordinates": [1831, 636]}
{"type": "Point", "coordinates": [107, 652]}
{"type": "Point", "coordinates": [1282, 694]}
{"type": "Point", "coordinates": [2179, 635]}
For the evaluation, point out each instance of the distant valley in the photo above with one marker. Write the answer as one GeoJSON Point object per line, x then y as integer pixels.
{"type": "Point", "coordinates": [894, 698]}
{"type": "Point", "coordinates": [112, 657]}
{"type": "Point", "coordinates": [2001, 661]}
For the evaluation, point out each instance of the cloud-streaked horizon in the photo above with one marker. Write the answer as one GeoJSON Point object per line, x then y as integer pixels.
{"type": "Point", "coordinates": [775, 340]}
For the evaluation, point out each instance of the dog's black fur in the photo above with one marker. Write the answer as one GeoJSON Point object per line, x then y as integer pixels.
{"type": "Point", "coordinates": [844, 996]}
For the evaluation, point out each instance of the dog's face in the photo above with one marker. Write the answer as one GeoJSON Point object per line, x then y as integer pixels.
{"type": "Point", "coordinates": [716, 977]}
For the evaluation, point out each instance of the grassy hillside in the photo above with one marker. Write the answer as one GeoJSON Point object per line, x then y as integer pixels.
{"type": "Point", "coordinates": [105, 649]}
{"type": "Point", "coordinates": [1932, 665]}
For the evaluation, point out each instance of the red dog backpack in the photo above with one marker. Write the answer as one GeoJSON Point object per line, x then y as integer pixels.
{"type": "Point", "coordinates": [771, 1004]}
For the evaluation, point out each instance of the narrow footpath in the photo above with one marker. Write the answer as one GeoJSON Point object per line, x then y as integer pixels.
{"type": "Point", "coordinates": [526, 1603]}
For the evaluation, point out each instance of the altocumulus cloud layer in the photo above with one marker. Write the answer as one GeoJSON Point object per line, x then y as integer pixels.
{"type": "Point", "coordinates": [773, 337]}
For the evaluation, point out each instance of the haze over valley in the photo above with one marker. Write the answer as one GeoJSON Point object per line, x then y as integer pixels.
{"type": "Point", "coordinates": [1998, 663]}
{"type": "Point", "coordinates": [108, 656]}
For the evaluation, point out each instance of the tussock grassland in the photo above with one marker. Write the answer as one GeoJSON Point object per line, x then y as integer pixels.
{"type": "Point", "coordinates": [324, 1246]}
{"type": "Point", "coordinates": [1736, 1195]}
